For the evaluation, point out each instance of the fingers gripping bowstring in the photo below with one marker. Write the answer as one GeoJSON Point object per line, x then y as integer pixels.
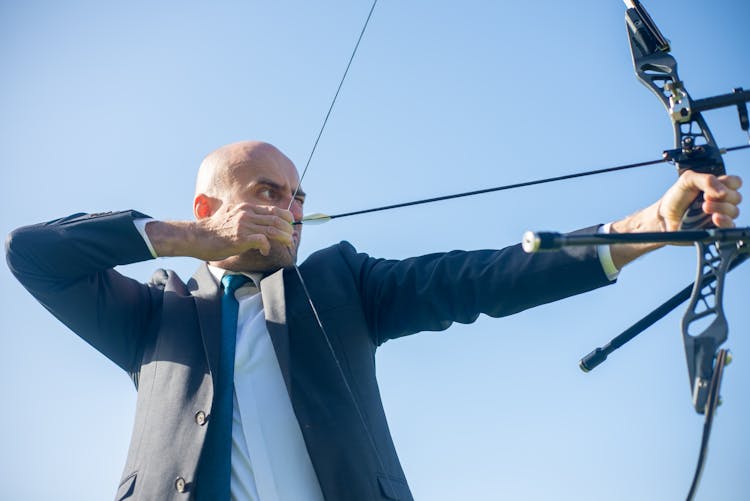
{"type": "Point", "coordinates": [340, 369]}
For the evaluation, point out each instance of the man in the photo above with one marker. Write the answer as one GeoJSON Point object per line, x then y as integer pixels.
{"type": "Point", "coordinates": [305, 419]}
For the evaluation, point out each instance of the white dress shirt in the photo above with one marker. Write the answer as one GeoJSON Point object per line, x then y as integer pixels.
{"type": "Point", "coordinates": [270, 461]}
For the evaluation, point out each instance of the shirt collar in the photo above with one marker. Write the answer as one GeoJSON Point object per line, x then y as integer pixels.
{"type": "Point", "coordinates": [219, 273]}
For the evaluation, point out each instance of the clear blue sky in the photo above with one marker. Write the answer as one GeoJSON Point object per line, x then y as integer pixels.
{"type": "Point", "coordinates": [112, 106]}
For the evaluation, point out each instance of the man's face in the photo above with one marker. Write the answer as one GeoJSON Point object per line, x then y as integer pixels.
{"type": "Point", "coordinates": [266, 178]}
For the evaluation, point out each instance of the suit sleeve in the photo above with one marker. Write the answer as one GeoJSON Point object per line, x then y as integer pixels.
{"type": "Point", "coordinates": [67, 265]}
{"type": "Point", "coordinates": [431, 292]}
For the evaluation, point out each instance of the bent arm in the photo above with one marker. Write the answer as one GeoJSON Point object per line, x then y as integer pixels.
{"type": "Point", "coordinates": [229, 231]}
{"type": "Point", "coordinates": [67, 265]}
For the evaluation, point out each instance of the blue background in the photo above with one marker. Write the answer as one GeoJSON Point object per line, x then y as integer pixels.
{"type": "Point", "coordinates": [108, 106]}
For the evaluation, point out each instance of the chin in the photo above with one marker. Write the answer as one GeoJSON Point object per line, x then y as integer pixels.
{"type": "Point", "coordinates": [254, 261]}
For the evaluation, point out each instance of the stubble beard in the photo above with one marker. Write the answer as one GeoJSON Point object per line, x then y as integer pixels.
{"type": "Point", "coordinates": [280, 256]}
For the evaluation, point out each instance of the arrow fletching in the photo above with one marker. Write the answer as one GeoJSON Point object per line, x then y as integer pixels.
{"type": "Point", "coordinates": [316, 218]}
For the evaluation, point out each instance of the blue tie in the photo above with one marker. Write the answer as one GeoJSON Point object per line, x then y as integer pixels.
{"type": "Point", "coordinates": [216, 462]}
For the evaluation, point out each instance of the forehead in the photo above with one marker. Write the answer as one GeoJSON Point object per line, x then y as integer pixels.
{"type": "Point", "coordinates": [271, 165]}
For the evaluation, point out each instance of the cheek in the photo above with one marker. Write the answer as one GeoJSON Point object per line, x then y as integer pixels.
{"type": "Point", "coordinates": [296, 210]}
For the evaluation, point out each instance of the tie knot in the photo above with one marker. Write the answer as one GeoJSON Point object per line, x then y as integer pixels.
{"type": "Point", "coordinates": [233, 282]}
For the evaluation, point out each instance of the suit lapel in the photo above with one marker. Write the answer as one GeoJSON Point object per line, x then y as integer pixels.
{"type": "Point", "coordinates": [274, 306]}
{"type": "Point", "coordinates": [208, 304]}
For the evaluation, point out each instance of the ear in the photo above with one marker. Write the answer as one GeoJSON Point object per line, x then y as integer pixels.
{"type": "Point", "coordinates": [202, 206]}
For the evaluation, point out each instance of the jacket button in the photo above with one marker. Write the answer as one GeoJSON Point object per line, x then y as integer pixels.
{"type": "Point", "coordinates": [200, 418]}
{"type": "Point", "coordinates": [179, 484]}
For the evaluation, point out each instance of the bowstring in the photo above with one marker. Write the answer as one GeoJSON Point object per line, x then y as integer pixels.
{"type": "Point", "coordinates": [333, 103]}
{"type": "Point", "coordinates": [318, 320]}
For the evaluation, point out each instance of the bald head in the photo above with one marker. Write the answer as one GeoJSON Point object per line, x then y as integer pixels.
{"type": "Point", "coordinates": [239, 186]}
{"type": "Point", "coordinates": [223, 168]}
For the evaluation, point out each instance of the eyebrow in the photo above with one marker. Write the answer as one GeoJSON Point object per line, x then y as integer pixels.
{"type": "Point", "coordinates": [277, 186]}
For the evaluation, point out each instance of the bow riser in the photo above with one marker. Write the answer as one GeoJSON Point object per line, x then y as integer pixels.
{"type": "Point", "coordinates": [696, 150]}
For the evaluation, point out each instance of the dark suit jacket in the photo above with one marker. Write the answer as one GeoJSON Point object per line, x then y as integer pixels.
{"type": "Point", "coordinates": [165, 334]}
